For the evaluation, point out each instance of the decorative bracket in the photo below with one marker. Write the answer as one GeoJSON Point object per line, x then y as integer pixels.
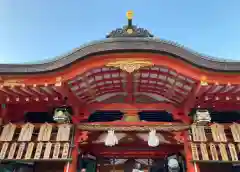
{"type": "Point", "coordinates": [130, 65]}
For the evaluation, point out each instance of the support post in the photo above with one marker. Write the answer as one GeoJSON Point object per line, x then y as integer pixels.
{"type": "Point", "coordinates": [4, 117]}
{"type": "Point", "coordinates": [72, 166]}
{"type": "Point", "coordinates": [191, 167]}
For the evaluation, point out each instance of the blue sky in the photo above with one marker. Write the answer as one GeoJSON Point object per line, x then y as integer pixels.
{"type": "Point", "coordinates": [33, 30]}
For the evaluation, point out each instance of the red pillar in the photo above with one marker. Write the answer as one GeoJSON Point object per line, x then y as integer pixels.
{"type": "Point", "coordinates": [191, 167]}
{"type": "Point", "coordinates": [4, 117]}
{"type": "Point", "coordinates": [72, 166]}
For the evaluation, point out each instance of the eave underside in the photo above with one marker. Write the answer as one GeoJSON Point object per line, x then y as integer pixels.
{"type": "Point", "coordinates": [161, 87]}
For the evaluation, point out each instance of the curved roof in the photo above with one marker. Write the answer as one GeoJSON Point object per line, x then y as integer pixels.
{"type": "Point", "coordinates": [121, 44]}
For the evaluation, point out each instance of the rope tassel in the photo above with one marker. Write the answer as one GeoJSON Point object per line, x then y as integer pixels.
{"type": "Point", "coordinates": [153, 139]}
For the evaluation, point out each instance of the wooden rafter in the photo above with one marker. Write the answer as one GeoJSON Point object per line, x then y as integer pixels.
{"type": "Point", "coordinates": [65, 92]}
{"type": "Point", "coordinates": [192, 96]}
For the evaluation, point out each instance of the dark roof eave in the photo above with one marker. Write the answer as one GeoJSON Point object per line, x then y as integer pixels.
{"type": "Point", "coordinates": [124, 44]}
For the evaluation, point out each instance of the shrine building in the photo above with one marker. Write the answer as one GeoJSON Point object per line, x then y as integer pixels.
{"type": "Point", "coordinates": [129, 103]}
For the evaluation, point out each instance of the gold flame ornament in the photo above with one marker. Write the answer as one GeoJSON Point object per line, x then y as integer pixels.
{"type": "Point", "coordinates": [129, 65]}
{"type": "Point", "coordinates": [129, 15]}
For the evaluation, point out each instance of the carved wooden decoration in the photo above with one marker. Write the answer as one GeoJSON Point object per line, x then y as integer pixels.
{"type": "Point", "coordinates": [29, 151]}
{"type": "Point", "coordinates": [12, 151]}
{"type": "Point", "coordinates": [56, 151]}
{"type": "Point", "coordinates": [38, 150]}
{"type": "Point", "coordinates": [47, 150]}
{"type": "Point", "coordinates": [195, 155]}
{"type": "Point", "coordinates": [218, 133]}
{"type": "Point", "coordinates": [45, 132]}
{"type": "Point", "coordinates": [26, 132]}
{"type": "Point", "coordinates": [204, 151]}
{"type": "Point", "coordinates": [235, 129]}
{"type": "Point", "coordinates": [223, 152]}
{"type": "Point", "coordinates": [130, 65]}
{"type": "Point", "coordinates": [65, 150]}
{"type": "Point", "coordinates": [8, 132]}
{"type": "Point", "coordinates": [20, 151]}
{"type": "Point", "coordinates": [4, 150]}
{"type": "Point", "coordinates": [63, 132]}
{"type": "Point", "coordinates": [214, 152]}
{"type": "Point", "coordinates": [233, 152]}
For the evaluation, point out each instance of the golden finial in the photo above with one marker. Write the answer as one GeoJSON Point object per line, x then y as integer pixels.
{"type": "Point", "coordinates": [129, 15]}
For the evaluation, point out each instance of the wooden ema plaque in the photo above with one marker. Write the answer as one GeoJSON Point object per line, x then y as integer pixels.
{"type": "Point", "coordinates": [45, 132]}
{"type": "Point", "coordinates": [52, 142]}
{"type": "Point", "coordinates": [223, 152]}
{"type": "Point", "coordinates": [235, 129]}
{"type": "Point", "coordinates": [7, 132]}
{"type": "Point", "coordinates": [198, 133]}
{"type": "Point", "coordinates": [216, 143]}
{"type": "Point", "coordinates": [47, 150]}
{"type": "Point", "coordinates": [195, 155]}
{"type": "Point", "coordinates": [12, 151]}
{"type": "Point", "coordinates": [233, 152]}
{"type": "Point", "coordinates": [204, 151]}
{"type": "Point", "coordinates": [29, 151]}
{"type": "Point", "coordinates": [66, 147]}
{"type": "Point", "coordinates": [215, 152]}
{"type": "Point", "coordinates": [26, 132]}
{"type": "Point", "coordinates": [4, 150]}
{"type": "Point", "coordinates": [218, 133]}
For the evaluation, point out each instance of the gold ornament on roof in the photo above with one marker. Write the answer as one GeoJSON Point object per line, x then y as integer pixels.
{"type": "Point", "coordinates": [129, 15]}
{"type": "Point", "coordinates": [204, 81]}
{"type": "Point", "coordinates": [130, 65]}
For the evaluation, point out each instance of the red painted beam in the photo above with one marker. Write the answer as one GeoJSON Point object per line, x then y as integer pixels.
{"type": "Point", "coordinates": [135, 106]}
{"type": "Point", "coordinates": [143, 123]}
{"type": "Point", "coordinates": [176, 112]}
